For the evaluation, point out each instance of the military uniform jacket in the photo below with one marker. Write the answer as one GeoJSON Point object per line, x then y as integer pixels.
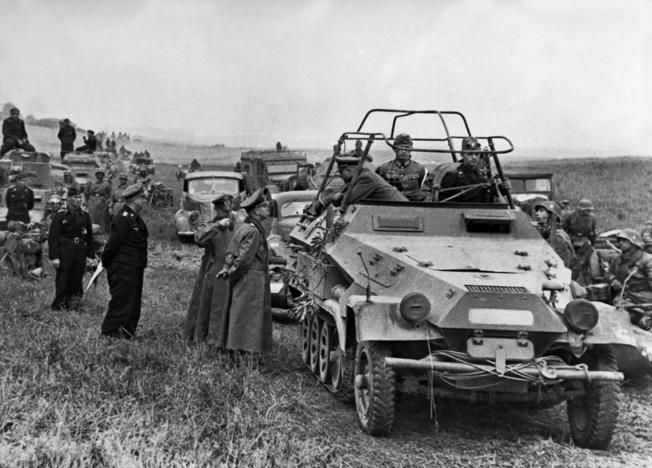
{"type": "Point", "coordinates": [579, 227]}
{"type": "Point", "coordinates": [407, 177]}
{"type": "Point", "coordinates": [128, 241]}
{"type": "Point", "coordinates": [14, 128]}
{"type": "Point", "coordinates": [101, 189]}
{"type": "Point", "coordinates": [639, 287]}
{"type": "Point", "coordinates": [465, 175]}
{"type": "Point", "coordinates": [563, 247]}
{"type": "Point", "coordinates": [67, 134]}
{"type": "Point", "coordinates": [19, 199]}
{"type": "Point", "coordinates": [71, 230]}
{"type": "Point", "coordinates": [368, 185]}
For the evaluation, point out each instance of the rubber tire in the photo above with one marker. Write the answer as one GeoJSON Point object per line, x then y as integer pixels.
{"type": "Point", "coordinates": [325, 348]}
{"type": "Point", "coordinates": [304, 330]}
{"type": "Point", "coordinates": [313, 364]}
{"type": "Point", "coordinates": [593, 417]}
{"type": "Point", "coordinates": [374, 401]}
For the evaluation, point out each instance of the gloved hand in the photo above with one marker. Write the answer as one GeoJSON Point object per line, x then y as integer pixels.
{"type": "Point", "coordinates": [56, 263]}
{"type": "Point", "coordinates": [507, 184]}
{"type": "Point", "coordinates": [226, 222]}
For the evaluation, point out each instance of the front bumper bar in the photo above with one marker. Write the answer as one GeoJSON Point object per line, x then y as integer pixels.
{"type": "Point", "coordinates": [544, 373]}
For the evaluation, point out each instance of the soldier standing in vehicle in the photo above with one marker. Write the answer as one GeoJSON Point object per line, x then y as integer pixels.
{"type": "Point", "coordinates": [67, 135]}
{"type": "Point", "coordinates": [580, 224]}
{"type": "Point", "coordinates": [14, 134]}
{"type": "Point", "coordinates": [70, 241]}
{"type": "Point", "coordinates": [469, 173]}
{"type": "Point", "coordinates": [402, 172]}
{"type": "Point", "coordinates": [125, 259]}
{"type": "Point", "coordinates": [208, 296]}
{"type": "Point", "coordinates": [117, 202]}
{"type": "Point", "coordinates": [19, 199]}
{"type": "Point", "coordinates": [630, 274]}
{"type": "Point", "coordinates": [547, 216]}
{"type": "Point", "coordinates": [247, 323]}
{"type": "Point", "coordinates": [98, 195]}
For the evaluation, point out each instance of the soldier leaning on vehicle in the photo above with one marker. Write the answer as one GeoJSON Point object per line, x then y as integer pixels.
{"type": "Point", "coordinates": [402, 172]}
{"type": "Point", "coordinates": [630, 274]}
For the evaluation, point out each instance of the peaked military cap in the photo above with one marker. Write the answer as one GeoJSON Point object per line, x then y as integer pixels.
{"type": "Point", "coordinates": [223, 198]}
{"type": "Point", "coordinates": [256, 199]}
{"type": "Point", "coordinates": [470, 143]}
{"type": "Point", "coordinates": [74, 192]}
{"type": "Point", "coordinates": [90, 132]}
{"type": "Point", "coordinates": [133, 190]}
{"type": "Point", "coordinates": [347, 160]}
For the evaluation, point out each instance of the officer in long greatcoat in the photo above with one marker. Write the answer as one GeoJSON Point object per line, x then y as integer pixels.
{"type": "Point", "coordinates": [70, 243]}
{"type": "Point", "coordinates": [98, 196]}
{"type": "Point", "coordinates": [402, 172]}
{"type": "Point", "coordinates": [125, 259]}
{"type": "Point", "coordinates": [19, 199]}
{"type": "Point", "coordinates": [247, 324]}
{"type": "Point", "coordinates": [209, 294]}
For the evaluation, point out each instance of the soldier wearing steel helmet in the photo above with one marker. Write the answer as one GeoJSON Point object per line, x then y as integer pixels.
{"type": "Point", "coordinates": [55, 203]}
{"type": "Point", "coordinates": [580, 224]}
{"type": "Point", "coordinates": [547, 216]}
{"type": "Point", "coordinates": [630, 276]}
{"type": "Point", "coordinates": [402, 172]}
{"type": "Point", "coordinates": [117, 202]}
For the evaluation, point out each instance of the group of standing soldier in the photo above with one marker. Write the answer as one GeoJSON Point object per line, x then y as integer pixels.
{"type": "Point", "coordinates": [230, 306]}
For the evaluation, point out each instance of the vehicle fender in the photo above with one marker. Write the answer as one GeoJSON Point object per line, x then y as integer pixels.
{"type": "Point", "coordinates": [613, 328]}
{"type": "Point", "coordinates": [379, 319]}
{"type": "Point", "coordinates": [181, 220]}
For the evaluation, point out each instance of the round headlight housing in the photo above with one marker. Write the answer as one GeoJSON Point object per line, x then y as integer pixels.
{"type": "Point", "coordinates": [581, 315]}
{"type": "Point", "coordinates": [193, 217]}
{"type": "Point", "coordinates": [414, 307]}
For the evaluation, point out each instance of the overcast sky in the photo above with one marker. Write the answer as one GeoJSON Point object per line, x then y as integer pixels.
{"type": "Point", "coordinates": [574, 74]}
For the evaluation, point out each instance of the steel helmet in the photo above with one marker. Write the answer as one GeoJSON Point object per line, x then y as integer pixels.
{"type": "Point", "coordinates": [54, 199]}
{"type": "Point", "coordinates": [585, 204]}
{"type": "Point", "coordinates": [632, 236]}
{"type": "Point", "coordinates": [548, 205]}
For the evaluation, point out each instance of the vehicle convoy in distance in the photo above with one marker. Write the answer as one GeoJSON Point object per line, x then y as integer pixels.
{"type": "Point", "coordinates": [199, 190]}
{"type": "Point", "coordinates": [272, 167]}
{"type": "Point", "coordinates": [452, 300]}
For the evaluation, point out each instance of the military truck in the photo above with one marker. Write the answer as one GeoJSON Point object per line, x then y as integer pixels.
{"type": "Point", "coordinates": [140, 161]}
{"type": "Point", "coordinates": [451, 300]}
{"type": "Point", "coordinates": [272, 167]}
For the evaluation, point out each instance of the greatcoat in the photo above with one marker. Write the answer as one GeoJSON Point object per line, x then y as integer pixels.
{"type": "Point", "coordinates": [247, 323]}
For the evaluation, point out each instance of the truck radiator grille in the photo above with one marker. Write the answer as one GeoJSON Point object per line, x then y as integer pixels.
{"type": "Point", "coordinates": [497, 289]}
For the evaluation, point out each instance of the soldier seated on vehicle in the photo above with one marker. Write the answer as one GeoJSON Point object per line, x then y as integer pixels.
{"type": "Point", "coordinates": [368, 185]}
{"type": "Point", "coordinates": [630, 274]}
{"type": "Point", "coordinates": [195, 166]}
{"type": "Point", "coordinates": [90, 143]}
{"type": "Point", "coordinates": [546, 214]}
{"type": "Point", "coordinates": [402, 172]}
{"type": "Point", "coordinates": [14, 134]}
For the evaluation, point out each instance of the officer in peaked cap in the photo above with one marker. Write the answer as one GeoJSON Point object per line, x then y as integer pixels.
{"type": "Point", "coordinates": [99, 195]}
{"type": "Point", "coordinates": [70, 242]}
{"type": "Point", "coordinates": [469, 173]}
{"type": "Point", "coordinates": [630, 274]}
{"type": "Point", "coordinates": [207, 302]}
{"type": "Point", "coordinates": [402, 172]}
{"type": "Point", "coordinates": [125, 259]}
{"type": "Point", "coordinates": [248, 318]}
{"type": "Point", "coordinates": [19, 199]}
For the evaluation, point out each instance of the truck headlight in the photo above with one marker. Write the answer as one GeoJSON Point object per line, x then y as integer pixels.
{"type": "Point", "coordinates": [581, 315]}
{"type": "Point", "coordinates": [193, 217]}
{"type": "Point", "coordinates": [414, 307]}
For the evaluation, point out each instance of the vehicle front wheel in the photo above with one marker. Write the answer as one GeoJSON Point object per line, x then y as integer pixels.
{"type": "Point", "coordinates": [593, 417]}
{"type": "Point", "coordinates": [374, 388]}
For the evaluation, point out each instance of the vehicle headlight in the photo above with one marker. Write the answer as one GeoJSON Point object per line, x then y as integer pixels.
{"type": "Point", "coordinates": [193, 217]}
{"type": "Point", "coordinates": [581, 315]}
{"type": "Point", "coordinates": [414, 307]}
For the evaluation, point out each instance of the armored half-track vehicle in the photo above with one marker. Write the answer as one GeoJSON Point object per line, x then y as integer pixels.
{"type": "Point", "coordinates": [452, 300]}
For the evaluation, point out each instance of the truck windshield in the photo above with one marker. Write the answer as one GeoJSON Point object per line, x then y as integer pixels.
{"type": "Point", "coordinates": [207, 189]}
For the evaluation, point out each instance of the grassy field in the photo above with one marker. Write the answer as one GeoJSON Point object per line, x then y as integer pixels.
{"type": "Point", "coordinates": [69, 398]}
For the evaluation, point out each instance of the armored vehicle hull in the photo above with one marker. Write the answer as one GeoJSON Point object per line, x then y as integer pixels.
{"type": "Point", "coordinates": [452, 300]}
